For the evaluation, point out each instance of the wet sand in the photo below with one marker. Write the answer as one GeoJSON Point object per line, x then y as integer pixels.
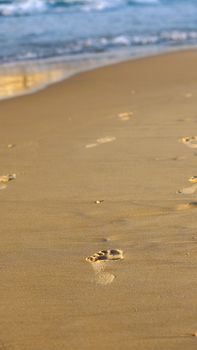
{"type": "Point", "coordinates": [101, 164]}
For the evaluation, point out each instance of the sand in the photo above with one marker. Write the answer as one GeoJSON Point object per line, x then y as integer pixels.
{"type": "Point", "coordinates": [100, 164]}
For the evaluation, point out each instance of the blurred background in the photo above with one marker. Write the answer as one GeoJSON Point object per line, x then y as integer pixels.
{"type": "Point", "coordinates": [87, 33]}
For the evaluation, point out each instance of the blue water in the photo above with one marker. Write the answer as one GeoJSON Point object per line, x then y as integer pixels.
{"type": "Point", "coordinates": [32, 29]}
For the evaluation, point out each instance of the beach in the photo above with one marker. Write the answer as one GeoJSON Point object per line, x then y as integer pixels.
{"type": "Point", "coordinates": [100, 162]}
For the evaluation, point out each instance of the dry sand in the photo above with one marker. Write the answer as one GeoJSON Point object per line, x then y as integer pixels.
{"type": "Point", "coordinates": [98, 162]}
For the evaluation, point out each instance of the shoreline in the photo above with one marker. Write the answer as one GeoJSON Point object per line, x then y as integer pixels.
{"type": "Point", "coordinates": [33, 76]}
{"type": "Point", "coordinates": [100, 162]}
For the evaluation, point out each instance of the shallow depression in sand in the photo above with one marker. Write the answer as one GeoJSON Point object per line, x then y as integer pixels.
{"type": "Point", "coordinates": [98, 263]}
{"type": "Point", "coordinates": [190, 141]}
{"type": "Point", "coordinates": [125, 116]}
{"type": "Point", "coordinates": [188, 190]}
{"type": "Point", "coordinates": [101, 141]}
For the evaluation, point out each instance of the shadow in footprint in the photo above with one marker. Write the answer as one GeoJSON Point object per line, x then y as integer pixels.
{"type": "Point", "coordinates": [193, 204]}
{"type": "Point", "coordinates": [186, 206]}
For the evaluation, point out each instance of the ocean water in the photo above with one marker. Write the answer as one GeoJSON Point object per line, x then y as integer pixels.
{"type": "Point", "coordinates": [43, 29]}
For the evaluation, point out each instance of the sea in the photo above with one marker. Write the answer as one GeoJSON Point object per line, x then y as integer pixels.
{"type": "Point", "coordinates": [93, 32]}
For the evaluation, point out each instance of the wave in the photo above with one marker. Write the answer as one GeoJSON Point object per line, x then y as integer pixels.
{"type": "Point", "coordinates": [144, 2]}
{"type": "Point", "coordinates": [170, 37]}
{"type": "Point", "coordinates": [22, 7]}
{"type": "Point", "coordinates": [30, 7]}
{"type": "Point", "coordinates": [104, 44]}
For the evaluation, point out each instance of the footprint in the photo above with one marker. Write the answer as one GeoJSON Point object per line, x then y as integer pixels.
{"type": "Point", "coordinates": [105, 139]}
{"type": "Point", "coordinates": [100, 141]}
{"type": "Point", "coordinates": [190, 141]}
{"type": "Point", "coordinates": [188, 190]}
{"type": "Point", "coordinates": [101, 276]}
{"type": "Point", "coordinates": [110, 254]}
{"type": "Point", "coordinates": [91, 145]}
{"type": "Point", "coordinates": [6, 178]}
{"type": "Point", "coordinates": [125, 116]}
{"type": "Point", "coordinates": [193, 179]}
{"type": "Point", "coordinates": [187, 206]}
{"type": "Point", "coordinates": [176, 158]}
{"type": "Point", "coordinates": [188, 95]}
{"type": "Point", "coordinates": [193, 204]}
{"type": "Point", "coordinates": [182, 206]}
{"type": "Point", "coordinates": [11, 145]}
{"type": "Point", "coordinates": [98, 261]}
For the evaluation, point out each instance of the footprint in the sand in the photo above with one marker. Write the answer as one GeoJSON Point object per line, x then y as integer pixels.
{"type": "Point", "coordinates": [99, 201]}
{"type": "Point", "coordinates": [91, 145]}
{"type": "Point", "coordinates": [4, 179]}
{"type": "Point", "coordinates": [193, 204]}
{"type": "Point", "coordinates": [110, 254]}
{"type": "Point", "coordinates": [193, 179]}
{"type": "Point", "coordinates": [101, 141]}
{"type": "Point", "coordinates": [105, 139]}
{"type": "Point", "coordinates": [125, 116]}
{"type": "Point", "coordinates": [190, 189]}
{"type": "Point", "coordinates": [189, 141]}
{"type": "Point", "coordinates": [175, 158]}
{"type": "Point", "coordinates": [11, 145]}
{"type": "Point", "coordinates": [186, 206]}
{"type": "Point", "coordinates": [98, 261]}
{"type": "Point", "coordinates": [188, 95]}
{"type": "Point", "coordinates": [7, 178]}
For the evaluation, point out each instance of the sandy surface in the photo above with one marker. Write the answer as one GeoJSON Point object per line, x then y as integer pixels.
{"type": "Point", "coordinates": [110, 135]}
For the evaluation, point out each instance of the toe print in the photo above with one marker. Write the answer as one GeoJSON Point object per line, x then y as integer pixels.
{"type": "Point", "coordinates": [106, 255]}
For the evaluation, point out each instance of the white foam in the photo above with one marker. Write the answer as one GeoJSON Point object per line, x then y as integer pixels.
{"type": "Point", "coordinates": [145, 2]}
{"type": "Point", "coordinates": [100, 5]}
{"type": "Point", "coordinates": [23, 7]}
{"type": "Point", "coordinates": [121, 40]}
{"type": "Point", "coordinates": [145, 40]}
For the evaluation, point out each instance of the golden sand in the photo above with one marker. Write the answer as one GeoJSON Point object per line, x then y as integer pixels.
{"type": "Point", "coordinates": [50, 297]}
